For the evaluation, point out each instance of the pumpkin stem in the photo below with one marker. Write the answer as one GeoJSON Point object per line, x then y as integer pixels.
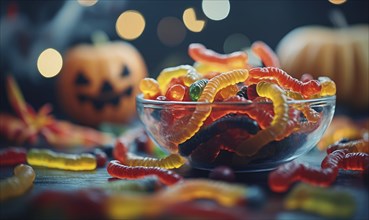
{"type": "Point", "coordinates": [99, 37]}
{"type": "Point", "coordinates": [337, 18]}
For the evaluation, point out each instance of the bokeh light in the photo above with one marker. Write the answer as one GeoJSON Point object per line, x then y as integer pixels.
{"type": "Point", "coordinates": [191, 21]}
{"type": "Point", "coordinates": [235, 42]}
{"type": "Point", "coordinates": [87, 3]}
{"type": "Point", "coordinates": [337, 2]}
{"type": "Point", "coordinates": [216, 9]}
{"type": "Point", "coordinates": [130, 25]}
{"type": "Point", "coordinates": [171, 31]}
{"type": "Point", "coordinates": [49, 63]}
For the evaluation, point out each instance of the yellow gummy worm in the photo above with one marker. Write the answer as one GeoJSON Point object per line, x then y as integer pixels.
{"type": "Point", "coordinates": [132, 206]}
{"type": "Point", "coordinates": [170, 162]}
{"type": "Point", "coordinates": [167, 74]}
{"type": "Point", "coordinates": [330, 203]}
{"type": "Point", "coordinates": [203, 111]}
{"type": "Point", "coordinates": [50, 159]}
{"type": "Point", "coordinates": [278, 126]}
{"type": "Point", "coordinates": [328, 86]}
{"type": "Point", "coordinates": [149, 87]}
{"type": "Point", "coordinates": [18, 184]}
{"type": "Point", "coordinates": [310, 114]}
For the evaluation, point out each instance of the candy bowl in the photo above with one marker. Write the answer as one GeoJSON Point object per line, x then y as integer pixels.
{"type": "Point", "coordinates": [245, 136]}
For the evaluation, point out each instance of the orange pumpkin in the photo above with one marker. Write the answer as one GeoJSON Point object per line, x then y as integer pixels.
{"type": "Point", "coordinates": [339, 53]}
{"type": "Point", "coordinates": [98, 83]}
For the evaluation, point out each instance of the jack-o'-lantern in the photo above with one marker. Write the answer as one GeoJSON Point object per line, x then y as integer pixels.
{"type": "Point", "coordinates": [339, 53]}
{"type": "Point", "coordinates": [98, 83]}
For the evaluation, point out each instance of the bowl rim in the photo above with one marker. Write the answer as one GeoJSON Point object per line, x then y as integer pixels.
{"type": "Point", "coordinates": [140, 99]}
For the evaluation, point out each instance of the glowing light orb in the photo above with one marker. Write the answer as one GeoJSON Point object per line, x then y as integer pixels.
{"type": "Point", "coordinates": [130, 25]}
{"type": "Point", "coordinates": [337, 2]}
{"type": "Point", "coordinates": [87, 3]}
{"type": "Point", "coordinates": [49, 63]}
{"type": "Point", "coordinates": [191, 22]}
{"type": "Point", "coordinates": [216, 9]}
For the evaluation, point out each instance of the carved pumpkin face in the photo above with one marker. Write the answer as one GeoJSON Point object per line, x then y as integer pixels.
{"type": "Point", "coordinates": [99, 83]}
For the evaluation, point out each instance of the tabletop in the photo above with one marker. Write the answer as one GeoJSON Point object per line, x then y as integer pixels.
{"type": "Point", "coordinates": [272, 207]}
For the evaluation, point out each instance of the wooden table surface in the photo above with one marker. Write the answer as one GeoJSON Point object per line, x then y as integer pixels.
{"type": "Point", "coordinates": [272, 208]}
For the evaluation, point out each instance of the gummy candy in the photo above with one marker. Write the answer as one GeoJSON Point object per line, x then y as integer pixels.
{"type": "Point", "coordinates": [18, 184]}
{"type": "Point", "coordinates": [199, 53]}
{"type": "Point", "coordinates": [118, 170]}
{"type": "Point", "coordinates": [278, 126]}
{"type": "Point", "coordinates": [307, 89]}
{"type": "Point", "coordinates": [331, 203]}
{"type": "Point", "coordinates": [265, 53]}
{"type": "Point", "coordinates": [12, 156]}
{"type": "Point", "coordinates": [51, 159]}
{"type": "Point", "coordinates": [202, 111]}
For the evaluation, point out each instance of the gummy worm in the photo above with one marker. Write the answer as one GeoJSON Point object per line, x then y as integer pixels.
{"type": "Point", "coordinates": [355, 161]}
{"type": "Point", "coordinates": [169, 162]}
{"type": "Point", "coordinates": [285, 175]}
{"type": "Point", "coordinates": [203, 111]}
{"type": "Point", "coordinates": [118, 170]}
{"type": "Point", "coordinates": [330, 203]}
{"type": "Point", "coordinates": [265, 53]}
{"type": "Point", "coordinates": [199, 53]}
{"type": "Point", "coordinates": [307, 89]}
{"type": "Point", "coordinates": [150, 88]}
{"type": "Point", "coordinates": [18, 184]}
{"type": "Point", "coordinates": [150, 205]}
{"type": "Point", "coordinates": [167, 74]}
{"type": "Point", "coordinates": [262, 116]}
{"type": "Point", "coordinates": [361, 145]}
{"type": "Point", "coordinates": [328, 86]}
{"type": "Point", "coordinates": [196, 88]}
{"type": "Point", "coordinates": [13, 156]}
{"type": "Point", "coordinates": [310, 114]}
{"type": "Point", "coordinates": [219, 126]}
{"type": "Point", "coordinates": [50, 159]}
{"type": "Point", "coordinates": [278, 126]}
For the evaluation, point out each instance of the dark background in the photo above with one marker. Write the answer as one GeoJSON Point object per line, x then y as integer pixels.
{"type": "Point", "coordinates": [262, 20]}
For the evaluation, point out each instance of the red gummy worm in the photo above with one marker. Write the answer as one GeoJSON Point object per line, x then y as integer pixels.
{"type": "Point", "coordinates": [120, 150]}
{"type": "Point", "coordinates": [281, 179]}
{"type": "Point", "coordinates": [265, 53]}
{"type": "Point", "coordinates": [118, 170]}
{"type": "Point", "coordinates": [307, 89]}
{"type": "Point", "coordinates": [285, 175]}
{"type": "Point", "coordinates": [200, 53]}
{"type": "Point", "coordinates": [13, 156]}
{"type": "Point", "coordinates": [355, 161]}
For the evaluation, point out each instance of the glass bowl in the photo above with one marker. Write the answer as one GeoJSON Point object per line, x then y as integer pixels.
{"type": "Point", "coordinates": [213, 144]}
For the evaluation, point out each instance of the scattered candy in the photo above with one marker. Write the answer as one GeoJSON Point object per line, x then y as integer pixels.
{"type": "Point", "coordinates": [51, 159]}
{"type": "Point", "coordinates": [12, 156]}
{"type": "Point", "coordinates": [18, 184]}
{"type": "Point", "coordinates": [281, 179]}
{"type": "Point", "coordinates": [118, 170]}
{"type": "Point", "coordinates": [331, 203]}
{"type": "Point", "coordinates": [361, 145]}
{"type": "Point", "coordinates": [169, 162]}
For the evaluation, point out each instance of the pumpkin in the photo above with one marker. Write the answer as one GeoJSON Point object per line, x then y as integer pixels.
{"type": "Point", "coordinates": [98, 83]}
{"type": "Point", "coordinates": [339, 53]}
